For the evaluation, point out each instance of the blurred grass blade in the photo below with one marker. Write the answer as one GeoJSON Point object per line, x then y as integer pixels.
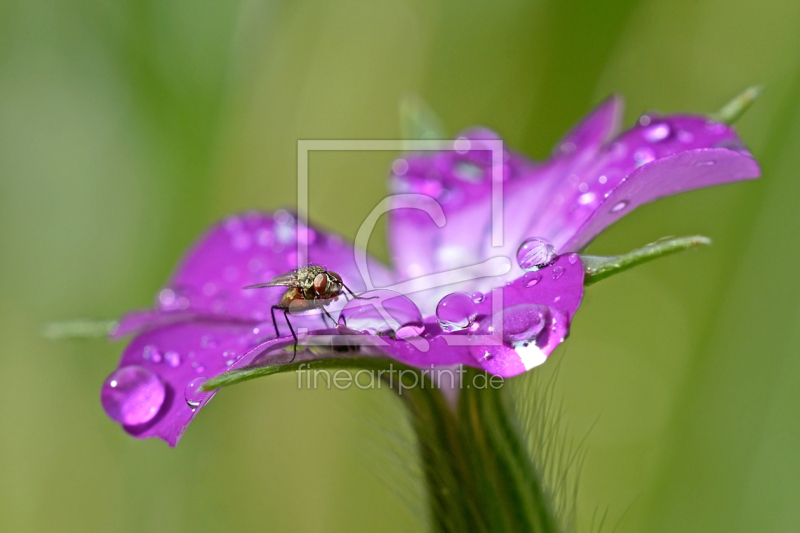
{"type": "Point", "coordinates": [733, 110]}
{"type": "Point", "coordinates": [597, 267]}
{"type": "Point", "coordinates": [418, 121]}
{"type": "Point", "coordinates": [78, 329]}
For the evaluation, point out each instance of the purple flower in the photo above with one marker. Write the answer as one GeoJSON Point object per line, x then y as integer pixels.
{"type": "Point", "coordinates": [504, 321]}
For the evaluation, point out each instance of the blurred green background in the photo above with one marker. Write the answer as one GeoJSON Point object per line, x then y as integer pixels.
{"type": "Point", "coordinates": [127, 127]}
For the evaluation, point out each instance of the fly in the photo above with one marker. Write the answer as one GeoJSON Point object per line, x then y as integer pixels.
{"type": "Point", "coordinates": [310, 287]}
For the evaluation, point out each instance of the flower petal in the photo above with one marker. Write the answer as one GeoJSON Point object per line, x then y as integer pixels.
{"type": "Point", "coordinates": [586, 191]}
{"type": "Point", "coordinates": [535, 314]}
{"type": "Point", "coordinates": [181, 354]}
{"type": "Point", "coordinates": [677, 173]}
{"type": "Point", "coordinates": [461, 182]}
{"type": "Point", "coordinates": [244, 250]}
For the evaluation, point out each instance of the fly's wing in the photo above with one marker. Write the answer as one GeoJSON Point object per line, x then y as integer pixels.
{"type": "Point", "coordinates": [284, 280]}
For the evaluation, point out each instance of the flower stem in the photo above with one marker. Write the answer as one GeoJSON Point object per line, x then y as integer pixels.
{"type": "Point", "coordinates": [478, 473]}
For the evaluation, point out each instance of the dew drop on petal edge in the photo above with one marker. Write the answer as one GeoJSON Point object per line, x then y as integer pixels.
{"type": "Point", "coordinates": [619, 206]}
{"type": "Point", "coordinates": [132, 395]}
{"type": "Point", "coordinates": [456, 311]}
{"type": "Point", "coordinates": [534, 253]}
{"type": "Point", "coordinates": [385, 312]}
{"type": "Point", "coordinates": [192, 394]}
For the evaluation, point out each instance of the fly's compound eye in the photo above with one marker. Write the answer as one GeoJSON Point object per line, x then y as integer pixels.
{"type": "Point", "coordinates": [320, 284]}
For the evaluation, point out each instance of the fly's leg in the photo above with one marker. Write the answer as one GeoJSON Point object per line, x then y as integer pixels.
{"type": "Point", "coordinates": [329, 316]}
{"type": "Point", "coordinates": [288, 323]}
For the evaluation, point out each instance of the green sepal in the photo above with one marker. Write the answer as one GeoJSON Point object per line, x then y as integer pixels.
{"type": "Point", "coordinates": [78, 329]}
{"type": "Point", "coordinates": [418, 121]}
{"type": "Point", "coordinates": [598, 267]}
{"type": "Point", "coordinates": [733, 110]}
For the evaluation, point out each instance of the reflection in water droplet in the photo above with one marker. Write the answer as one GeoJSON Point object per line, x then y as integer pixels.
{"type": "Point", "coordinates": [387, 312]}
{"type": "Point", "coordinates": [572, 258]}
{"type": "Point", "coordinates": [192, 394]}
{"type": "Point", "coordinates": [456, 311]}
{"type": "Point", "coordinates": [558, 272]}
{"type": "Point", "coordinates": [531, 278]}
{"type": "Point", "coordinates": [657, 132]}
{"type": "Point", "coordinates": [132, 395]}
{"type": "Point", "coordinates": [619, 206]}
{"type": "Point", "coordinates": [173, 359]}
{"type": "Point", "coordinates": [535, 253]}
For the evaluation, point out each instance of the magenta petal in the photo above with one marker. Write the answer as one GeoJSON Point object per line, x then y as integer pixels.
{"type": "Point", "coordinates": [181, 354]}
{"type": "Point", "coordinates": [555, 292]}
{"type": "Point", "coordinates": [244, 250]}
{"type": "Point", "coordinates": [461, 184]}
{"type": "Point", "coordinates": [681, 172]}
{"type": "Point", "coordinates": [584, 191]}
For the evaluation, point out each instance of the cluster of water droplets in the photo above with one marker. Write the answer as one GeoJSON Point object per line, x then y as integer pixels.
{"type": "Point", "coordinates": [385, 312]}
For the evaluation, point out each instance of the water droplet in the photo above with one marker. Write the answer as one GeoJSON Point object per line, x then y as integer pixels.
{"type": "Point", "coordinates": [477, 297]}
{"type": "Point", "coordinates": [657, 132]}
{"type": "Point", "coordinates": [166, 297]}
{"type": "Point", "coordinates": [572, 258]}
{"type": "Point", "coordinates": [207, 341]}
{"type": "Point", "coordinates": [643, 156]}
{"type": "Point", "coordinates": [586, 198]}
{"type": "Point", "coordinates": [535, 253]}
{"type": "Point", "coordinates": [462, 145]}
{"type": "Point", "coordinates": [152, 354]}
{"type": "Point", "coordinates": [192, 394]}
{"type": "Point", "coordinates": [198, 367]}
{"type": "Point", "coordinates": [400, 167]}
{"type": "Point", "coordinates": [531, 278]}
{"type": "Point", "coordinates": [467, 171]}
{"type": "Point", "coordinates": [644, 120]}
{"type": "Point", "coordinates": [264, 237]}
{"type": "Point", "coordinates": [685, 137]}
{"type": "Point", "coordinates": [521, 327]}
{"type": "Point", "coordinates": [173, 359]}
{"type": "Point", "coordinates": [557, 272]}
{"type": "Point", "coordinates": [709, 163]}
{"type": "Point", "coordinates": [456, 311]}
{"type": "Point", "coordinates": [602, 180]}
{"type": "Point", "coordinates": [132, 395]}
{"type": "Point", "coordinates": [619, 206]}
{"type": "Point", "coordinates": [388, 312]}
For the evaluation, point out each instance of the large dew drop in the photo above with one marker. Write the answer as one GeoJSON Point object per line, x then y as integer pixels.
{"type": "Point", "coordinates": [132, 395]}
{"type": "Point", "coordinates": [521, 327]}
{"type": "Point", "coordinates": [456, 311]}
{"type": "Point", "coordinates": [535, 253]}
{"type": "Point", "coordinates": [385, 312]}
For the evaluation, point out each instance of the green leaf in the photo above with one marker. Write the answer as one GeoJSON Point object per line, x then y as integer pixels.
{"type": "Point", "coordinates": [733, 110]}
{"type": "Point", "coordinates": [597, 267]}
{"type": "Point", "coordinates": [78, 329]}
{"type": "Point", "coordinates": [418, 121]}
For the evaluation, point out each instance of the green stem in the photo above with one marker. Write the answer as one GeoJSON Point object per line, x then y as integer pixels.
{"type": "Point", "coordinates": [479, 475]}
